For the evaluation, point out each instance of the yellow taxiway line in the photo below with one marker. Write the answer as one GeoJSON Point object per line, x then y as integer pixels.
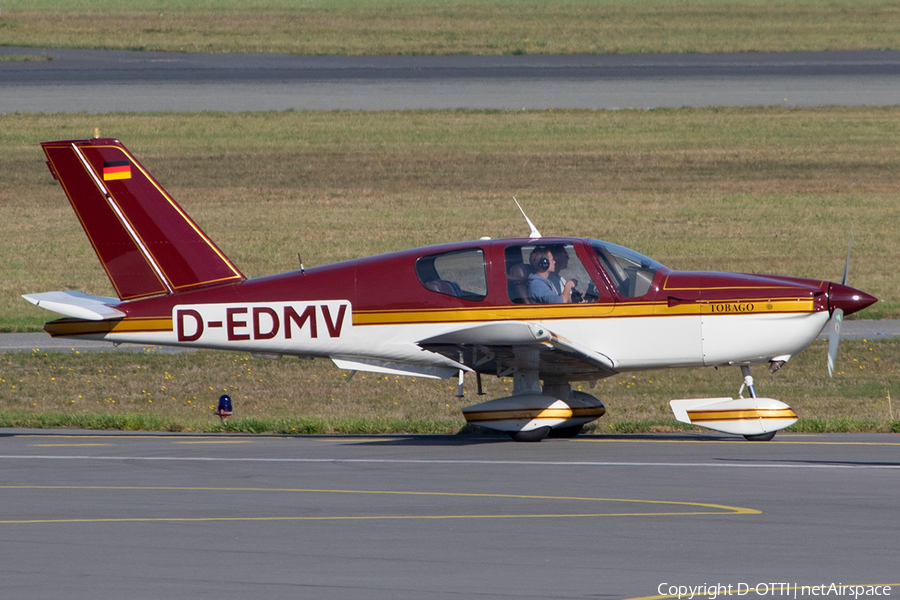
{"type": "Point", "coordinates": [698, 508]}
{"type": "Point", "coordinates": [64, 445]}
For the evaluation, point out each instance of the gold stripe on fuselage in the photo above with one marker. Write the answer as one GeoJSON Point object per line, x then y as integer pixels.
{"type": "Point", "coordinates": [532, 312]}
{"type": "Point", "coordinates": [528, 312]}
{"type": "Point", "coordinates": [64, 327]}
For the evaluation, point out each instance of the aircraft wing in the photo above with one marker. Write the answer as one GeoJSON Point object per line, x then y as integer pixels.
{"type": "Point", "coordinates": [514, 345]}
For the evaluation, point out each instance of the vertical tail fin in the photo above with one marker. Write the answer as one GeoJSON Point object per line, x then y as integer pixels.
{"type": "Point", "coordinates": [145, 241]}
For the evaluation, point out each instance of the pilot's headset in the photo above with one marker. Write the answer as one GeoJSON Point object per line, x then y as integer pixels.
{"type": "Point", "coordinates": [543, 263]}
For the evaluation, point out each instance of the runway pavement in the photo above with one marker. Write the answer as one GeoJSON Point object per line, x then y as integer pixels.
{"type": "Point", "coordinates": [108, 81]}
{"type": "Point", "coordinates": [101, 515]}
{"type": "Point", "coordinates": [42, 342]}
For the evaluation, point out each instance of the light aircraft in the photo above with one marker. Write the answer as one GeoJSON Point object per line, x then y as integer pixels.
{"type": "Point", "coordinates": [440, 311]}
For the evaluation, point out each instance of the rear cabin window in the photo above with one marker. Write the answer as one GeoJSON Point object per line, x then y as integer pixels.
{"type": "Point", "coordinates": [460, 274]}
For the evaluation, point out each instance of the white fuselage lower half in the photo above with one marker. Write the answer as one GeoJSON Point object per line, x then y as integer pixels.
{"type": "Point", "coordinates": [326, 329]}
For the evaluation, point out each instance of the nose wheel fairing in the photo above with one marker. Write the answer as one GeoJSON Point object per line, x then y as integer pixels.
{"type": "Point", "coordinates": [757, 419]}
{"type": "Point", "coordinates": [744, 416]}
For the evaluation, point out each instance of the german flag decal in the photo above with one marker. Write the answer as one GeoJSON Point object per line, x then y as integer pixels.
{"type": "Point", "coordinates": [116, 169]}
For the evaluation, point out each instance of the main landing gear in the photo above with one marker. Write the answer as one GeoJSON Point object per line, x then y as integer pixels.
{"type": "Point", "coordinates": [534, 412]}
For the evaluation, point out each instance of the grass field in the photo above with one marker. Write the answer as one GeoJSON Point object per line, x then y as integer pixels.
{"type": "Point", "coordinates": [447, 27]}
{"type": "Point", "coordinates": [750, 190]}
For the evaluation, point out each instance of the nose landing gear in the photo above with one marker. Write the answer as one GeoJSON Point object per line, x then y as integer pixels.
{"type": "Point", "coordinates": [757, 419]}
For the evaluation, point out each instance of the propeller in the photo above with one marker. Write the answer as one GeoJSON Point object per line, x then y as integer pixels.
{"type": "Point", "coordinates": [837, 317]}
{"type": "Point", "coordinates": [834, 338]}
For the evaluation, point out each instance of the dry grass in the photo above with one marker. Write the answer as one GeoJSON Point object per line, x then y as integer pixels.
{"type": "Point", "coordinates": [759, 190]}
{"type": "Point", "coordinates": [185, 387]}
{"type": "Point", "coordinates": [439, 27]}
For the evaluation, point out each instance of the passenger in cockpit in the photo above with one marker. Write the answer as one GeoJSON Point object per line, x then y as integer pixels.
{"type": "Point", "coordinates": [561, 256]}
{"type": "Point", "coordinates": [540, 289]}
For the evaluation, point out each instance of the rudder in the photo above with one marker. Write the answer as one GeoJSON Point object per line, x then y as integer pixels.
{"type": "Point", "coordinates": [147, 244]}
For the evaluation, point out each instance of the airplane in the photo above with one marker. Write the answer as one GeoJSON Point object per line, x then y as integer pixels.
{"type": "Point", "coordinates": [441, 311]}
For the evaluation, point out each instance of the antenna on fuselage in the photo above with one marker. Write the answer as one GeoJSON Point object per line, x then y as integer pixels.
{"type": "Point", "coordinates": [534, 232]}
{"type": "Point", "coordinates": [300, 260]}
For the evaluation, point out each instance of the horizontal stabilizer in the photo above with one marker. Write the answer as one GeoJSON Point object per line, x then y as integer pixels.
{"type": "Point", "coordinates": [744, 416]}
{"type": "Point", "coordinates": [77, 305]}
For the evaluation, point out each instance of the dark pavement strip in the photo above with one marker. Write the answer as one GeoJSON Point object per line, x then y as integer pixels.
{"type": "Point", "coordinates": [104, 81]}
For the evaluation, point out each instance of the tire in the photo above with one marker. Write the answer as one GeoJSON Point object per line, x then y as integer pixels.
{"type": "Point", "coordinates": [762, 437]}
{"type": "Point", "coordinates": [566, 432]}
{"type": "Point", "coordinates": [535, 435]}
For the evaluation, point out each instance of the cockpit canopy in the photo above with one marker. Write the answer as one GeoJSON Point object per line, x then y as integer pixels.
{"type": "Point", "coordinates": [594, 269]}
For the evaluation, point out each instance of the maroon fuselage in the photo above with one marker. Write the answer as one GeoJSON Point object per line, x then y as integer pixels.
{"type": "Point", "coordinates": [389, 282]}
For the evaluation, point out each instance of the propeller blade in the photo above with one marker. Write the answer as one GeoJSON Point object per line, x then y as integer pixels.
{"type": "Point", "coordinates": [834, 338]}
{"type": "Point", "coordinates": [837, 317]}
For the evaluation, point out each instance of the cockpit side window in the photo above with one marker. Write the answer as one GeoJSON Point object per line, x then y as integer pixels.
{"type": "Point", "coordinates": [460, 274]}
{"type": "Point", "coordinates": [567, 266]}
{"type": "Point", "coordinates": [632, 273]}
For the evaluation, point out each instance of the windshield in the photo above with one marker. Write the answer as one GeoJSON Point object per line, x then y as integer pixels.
{"type": "Point", "coordinates": [631, 272]}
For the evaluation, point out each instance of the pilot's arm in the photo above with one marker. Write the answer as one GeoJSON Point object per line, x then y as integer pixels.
{"type": "Point", "coordinates": [541, 291]}
{"type": "Point", "coordinates": [567, 290]}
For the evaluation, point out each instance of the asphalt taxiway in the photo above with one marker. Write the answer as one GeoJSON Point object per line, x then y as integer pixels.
{"type": "Point", "coordinates": [101, 515]}
{"type": "Point", "coordinates": [109, 81]}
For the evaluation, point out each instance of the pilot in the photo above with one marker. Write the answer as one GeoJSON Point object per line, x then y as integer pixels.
{"type": "Point", "coordinates": [540, 288]}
